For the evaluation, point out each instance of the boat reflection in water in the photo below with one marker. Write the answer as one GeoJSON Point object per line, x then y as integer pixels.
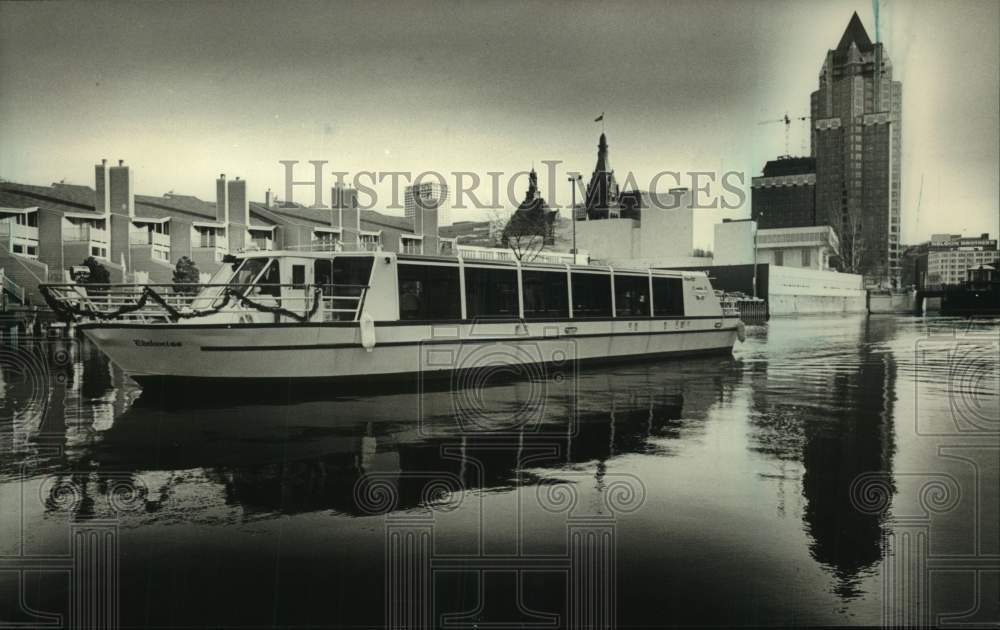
{"type": "Point", "coordinates": [739, 476]}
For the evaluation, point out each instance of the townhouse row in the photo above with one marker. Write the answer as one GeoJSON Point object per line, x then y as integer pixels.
{"type": "Point", "coordinates": [47, 231]}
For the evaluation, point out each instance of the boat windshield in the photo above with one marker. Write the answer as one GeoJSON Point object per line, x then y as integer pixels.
{"type": "Point", "coordinates": [247, 273]}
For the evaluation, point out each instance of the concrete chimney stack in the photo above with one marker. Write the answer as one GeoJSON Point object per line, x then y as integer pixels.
{"type": "Point", "coordinates": [345, 201]}
{"type": "Point", "coordinates": [121, 210]}
{"type": "Point", "coordinates": [102, 191]}
{"type": "Point", "coordinates": [121, 197]}
{"type": "Point", "coordinates": [425, 223]}
{"type": "Point", "coordinates": [221, 199]}
{"type": "Point", "coordinates": [239, 213]}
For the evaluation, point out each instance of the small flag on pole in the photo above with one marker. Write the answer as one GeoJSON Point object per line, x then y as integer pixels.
{"type": "Point", "coordinates": [599, 118]}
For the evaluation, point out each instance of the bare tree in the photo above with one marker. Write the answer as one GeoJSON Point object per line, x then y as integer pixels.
{"type": "Point", "coordinates": [497, 223]}
{"type": "Point", "coordinates": [852, 242]}
{"type": "Point", "coordinates": [525, 235]}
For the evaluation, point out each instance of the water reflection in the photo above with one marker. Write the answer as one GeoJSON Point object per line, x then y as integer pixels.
{"type": "Point", "coordinates": [835, 419]}
{"type": "Point", "coordinates": [800, 412]}
{"type": "Point", "coordinates": [288, 459]}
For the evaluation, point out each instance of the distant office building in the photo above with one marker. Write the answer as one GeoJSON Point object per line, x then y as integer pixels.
{"type": "Point", "coordinates": [856, 140]}
{"type": "Point", "coordinates": [785, 196]}
{"type": "Point", "coordinates": [602, 197]}
{"type": "Point", "coordinates": [950, 256]}
{"type": "Point", "coordinates": [429, 194]}
{"type": "Point", "coordinates": [957, 241]}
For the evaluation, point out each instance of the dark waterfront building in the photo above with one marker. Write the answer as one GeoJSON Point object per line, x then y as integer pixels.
{"type": "Point", "coordinates": [785, 196]}
{"type": "Point", "coordinates": [856, 140]}
{"type": "Point", "coordinates": [603, 200]}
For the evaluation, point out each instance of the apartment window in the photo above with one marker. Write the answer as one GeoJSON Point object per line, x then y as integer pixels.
{"type": "Point", "coordinates": [429, 292]}
{"type": "Point", "coordinates": [326, 241]}
{"type": "Point", "coordinates": [491, 293]}
{"type": "Point", "coordinates": [591, 295]}
{"type": "Point", "coordinates": [411, 245]}
{"type": "Point", "coordinates": [631, 296]}
{"type": "Point", "coordinates": [371, 242]}
{"type": "Point", "coordinates": [806, 259]}
{"type": "Point", "coordinates": [779, 258]}
{"type": "Point", "coordinates": [668, 297]}
{"type": "Point", "coordinates": [545, 294]}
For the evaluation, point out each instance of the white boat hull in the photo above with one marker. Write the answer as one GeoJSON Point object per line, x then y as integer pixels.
{"type": "Point", "coordinates": [335, 351]}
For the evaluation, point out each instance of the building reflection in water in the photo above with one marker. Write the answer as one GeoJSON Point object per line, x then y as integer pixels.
{"type": "Point", "coordinates": [823, 418]}
{"type": "Point", "coordinates": [833, 420]}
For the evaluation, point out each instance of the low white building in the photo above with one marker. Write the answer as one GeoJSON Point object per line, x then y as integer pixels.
{"type": "Point", "coordinates": [801, 247]}
{"type": "Point", "coordinates": [659, 232]}
{"type": "Point", "coordinates": [740, 242]}
{"type": "Point", "coordinates": [797, 275]}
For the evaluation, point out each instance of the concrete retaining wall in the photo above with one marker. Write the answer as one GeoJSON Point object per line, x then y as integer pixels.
{"type": "Point", "coordinates": [798, 291]}
{"type": "Point", "coordinates": [901, 302]}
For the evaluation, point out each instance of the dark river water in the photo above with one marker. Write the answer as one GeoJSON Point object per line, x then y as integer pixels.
{"type": "Point", "coordinates": [833, 471]}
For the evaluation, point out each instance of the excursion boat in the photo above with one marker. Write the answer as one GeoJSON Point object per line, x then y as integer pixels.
{"type": "Point", "coordinates": [318, 315]}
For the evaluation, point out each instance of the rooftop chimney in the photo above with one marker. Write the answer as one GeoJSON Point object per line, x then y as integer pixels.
{"type": "Point", "coordinates": [121, 205]}
{"type": "Point", "coordinates": [221, 199]}
{"type": "Point", "coordinates": [239, 214]}
{"type": "Point", "coordinates": [102, 201]}
{"type": "Point", "coordinates": [121, 198]}
{"type": "Point", "coordinates": [348, 216]}
{"type": "Point", "coordinates": [425, 223]}
{"type": "Point", "coordinates": [239, 206]}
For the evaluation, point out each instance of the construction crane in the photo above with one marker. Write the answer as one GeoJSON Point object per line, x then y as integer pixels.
{"type": "Point", "coordinates": [787, 120]}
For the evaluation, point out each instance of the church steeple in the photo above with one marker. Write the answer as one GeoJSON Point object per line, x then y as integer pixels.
{"type": "Point", "coordinates": [532, 193]}
{"type": "Point", "coordinates": [602, 191]}
{"type": "Point", "coordinates": [603, 164]}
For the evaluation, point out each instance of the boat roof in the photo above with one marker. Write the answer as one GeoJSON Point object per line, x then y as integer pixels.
{"type": "Point", "coordinates": [468, 262]}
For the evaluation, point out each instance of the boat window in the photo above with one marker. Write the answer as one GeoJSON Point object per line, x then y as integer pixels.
{"type": "Point", "coordinates": [668, 297]}
{"type": "Point", "coordinates": [247, 273]}
{"type": "Point", "coordinates": [591, 295]}
{"type": "Point", "coordinates": [545, 294]}
{"type": "Point", "coordinates": [491, 293]}
{"type": "Point", "coordinates": [349, 273]}
{"type": "Point", "coordinates": [298, 276]}
{"type": "Point", "coordinates": [631, 296]}
{"type": "Point", "coordinates": [429, 292]}
{"type": "Point", "coordinates": [270, 281]}
{"type": "Point", "coordinates": [354, 270]}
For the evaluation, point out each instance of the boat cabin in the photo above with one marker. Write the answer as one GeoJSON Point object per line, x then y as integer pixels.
{"type": "Point", "coordinates": [428, 289]}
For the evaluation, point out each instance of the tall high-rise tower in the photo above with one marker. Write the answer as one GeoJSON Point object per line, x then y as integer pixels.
{"type": "Point", "coordinates": [429, 195]}
{"type": "Point", "coordinates": [856, 140]}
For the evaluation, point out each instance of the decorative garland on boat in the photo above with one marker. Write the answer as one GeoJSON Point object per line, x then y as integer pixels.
{"type": "Point", "coordinates": [277, 310]}
{"type": "Point", "coordinates": [67, 310]}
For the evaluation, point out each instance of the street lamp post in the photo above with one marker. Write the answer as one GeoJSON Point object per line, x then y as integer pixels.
{"type": "Point", "coordinates": [755, 228]}
{"type": "Point", "coordinates": [573, 179]}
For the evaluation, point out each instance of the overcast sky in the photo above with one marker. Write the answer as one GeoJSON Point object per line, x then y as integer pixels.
{"type": "Point", "coordinates": [184, 92]}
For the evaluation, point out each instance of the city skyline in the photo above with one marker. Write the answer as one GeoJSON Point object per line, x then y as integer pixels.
{"type": "Point", "coordinates": [226, 100]}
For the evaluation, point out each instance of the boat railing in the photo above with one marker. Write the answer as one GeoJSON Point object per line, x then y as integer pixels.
{"type": "Point", "coordinates": [158, 303]}
{"type": "Point", "coordinates": [751, 310]}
